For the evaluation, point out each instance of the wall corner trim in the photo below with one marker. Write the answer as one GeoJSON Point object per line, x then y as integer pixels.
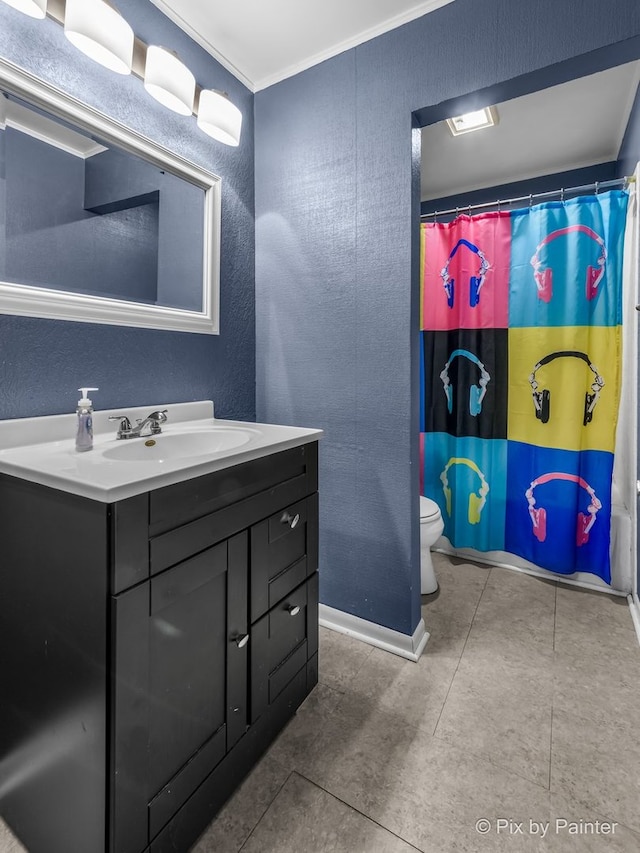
{"type": "Point", "coordinates": [634, 607]}
{"type": "Point", "coordinates": [404, 645]}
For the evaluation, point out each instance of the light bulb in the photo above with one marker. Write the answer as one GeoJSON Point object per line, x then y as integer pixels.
{"type": "Point", "coordinates": [99, 30]}
{"type": "Point", "coordinates": [169, 81]}
{"type": "Point", "coordinates": [33, 8]}
{"type": "Point", "coordinates": [218, 117]}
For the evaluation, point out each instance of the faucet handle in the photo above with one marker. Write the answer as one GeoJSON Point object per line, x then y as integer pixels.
{"type": "Point", "coordinates": [155, 419]}
{"type": "Point", "coordinates": [124, 425]}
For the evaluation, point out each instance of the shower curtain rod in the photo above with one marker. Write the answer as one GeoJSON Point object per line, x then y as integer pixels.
{"type": "Point", "coordinates": [597, 186]}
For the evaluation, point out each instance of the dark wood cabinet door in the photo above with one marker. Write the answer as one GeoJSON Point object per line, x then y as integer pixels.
{"type": "Point", "coordinates": [283, 641]}
{"type": "Point", "coordinates": [187, 656]}
{"type": "Point", "coordinates": [180, 696]}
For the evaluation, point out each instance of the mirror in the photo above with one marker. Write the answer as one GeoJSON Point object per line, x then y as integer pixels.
{"type": "Point", "coordinates": [98, 223]}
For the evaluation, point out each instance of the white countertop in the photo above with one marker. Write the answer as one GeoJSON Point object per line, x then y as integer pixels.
{"type": "Point", "coordinates": [42, 450]}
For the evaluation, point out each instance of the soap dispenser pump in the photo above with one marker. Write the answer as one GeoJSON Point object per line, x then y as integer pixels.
{"type": "Point", "coordinates": [84, 435]}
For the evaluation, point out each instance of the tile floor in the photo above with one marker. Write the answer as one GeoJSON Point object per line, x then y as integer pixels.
{"type": "Point", "coordinates": [524, 712]}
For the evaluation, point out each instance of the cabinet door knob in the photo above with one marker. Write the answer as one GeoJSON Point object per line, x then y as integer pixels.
{"type": "Point", "coordinates": [293, 609]}
{"type": "Point", "coordinates": [291, 520]}
{"type": "Point", "coordinates": [241, 642]}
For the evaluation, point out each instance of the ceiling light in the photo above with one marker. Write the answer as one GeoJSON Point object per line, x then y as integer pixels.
{"type": "Point", "coordinates": [33, 8]}
{"type": "Point", "coordinates": [487, 117]}
{"type": "Point", "coordinates": [218, 117]}
{"type": "Point", "coordinates": [168, 80]}
{"type": "Point", "coordinates": [99, 30]}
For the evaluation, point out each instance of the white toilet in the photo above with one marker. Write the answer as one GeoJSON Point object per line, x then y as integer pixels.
{"type": "Point", "coordinates": [431, 528]}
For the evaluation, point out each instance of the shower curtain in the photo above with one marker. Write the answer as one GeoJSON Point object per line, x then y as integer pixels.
{"type": "Point", "coordinates": [521, 316]}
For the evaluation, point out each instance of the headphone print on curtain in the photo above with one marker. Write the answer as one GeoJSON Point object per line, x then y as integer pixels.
{"type": "Point", "coordinates": [520, 378]}
{"type": "Point", "coordinates": [464, 375]}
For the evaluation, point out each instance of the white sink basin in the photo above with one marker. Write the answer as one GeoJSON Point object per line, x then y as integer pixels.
{"type": "Point", "coordinates": [180, 445]}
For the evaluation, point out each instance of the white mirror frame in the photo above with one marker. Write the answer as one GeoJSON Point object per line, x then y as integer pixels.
{"type": "Point", "coordinates": [28, 301]}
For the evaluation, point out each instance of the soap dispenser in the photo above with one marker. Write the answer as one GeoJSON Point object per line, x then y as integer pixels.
{"type": "Point", "coordinates": [84, 435]}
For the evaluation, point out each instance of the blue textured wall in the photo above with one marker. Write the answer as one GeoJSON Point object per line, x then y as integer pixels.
{"type": "Point", "coordinates": [336, 278]}
{"type": "Point", "coordinates": [52, 241]}
{"type": "Point", "coordinates": [116, 180]}
{"type": "Point", "coordinates": [42, 362]}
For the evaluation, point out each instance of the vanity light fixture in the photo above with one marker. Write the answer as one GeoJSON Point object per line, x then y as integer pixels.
{"type": "Point", "coordinates": [476, 120]}
{"type": "Point", "coordinates": [168, 80]}
{"type": "Point", "coordinates": [33, 8]}
{"type": "Point", "coordinates": [218, 117]}
{"type": "Point", "coordinates": [97, 29]}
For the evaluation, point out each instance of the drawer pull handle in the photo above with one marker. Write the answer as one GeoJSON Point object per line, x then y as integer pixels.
{"type": "Point", "coordinates": [293, 609]}
{"type": "Point", "coordinates": [291, 520]}
{"type": "Point", "coordinates": [241, 642]}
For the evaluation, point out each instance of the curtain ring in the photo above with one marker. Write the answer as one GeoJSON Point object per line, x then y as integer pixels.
{"type": "Point", "coordinates": [597, 186]}
{"type": "Point", "coordinates": [562, 195]}
{"type": "Point", "coordinates": [435, 214]}
{"type": "Point", "coordinates": [469, 210]}
{"type": "Point", "coordinates": [499, 203]}
{"type": "Point", "coordinates": [530, 200]}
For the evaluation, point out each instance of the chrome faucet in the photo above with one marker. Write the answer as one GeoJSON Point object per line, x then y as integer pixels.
{"type": "Point", "coordinates": [153, 421]}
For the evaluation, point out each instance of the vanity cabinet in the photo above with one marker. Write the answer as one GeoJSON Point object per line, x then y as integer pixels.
{"type": "Point", "coordinates": [197, 640]}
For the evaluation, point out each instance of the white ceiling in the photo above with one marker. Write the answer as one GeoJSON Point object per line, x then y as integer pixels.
{"type": "Point", "coordinates": [264, 41]}
{"type": "Point", "coordinates": [576, 124]}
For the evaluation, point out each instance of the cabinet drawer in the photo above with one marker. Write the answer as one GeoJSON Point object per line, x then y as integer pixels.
{"type": "Point", "coordinates": [284, 552]}
{"type": "Point", "coordinates": [280, 478]}
{"type": "Point", "coordinates": [172, 547]}
{"type": "Point", "coordinates": [282, 642]}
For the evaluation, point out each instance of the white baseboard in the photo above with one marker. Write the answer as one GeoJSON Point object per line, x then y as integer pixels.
{"type": "Point", "coordinates": [634, 607]}
{"type": "Point", "coordinates": [404, 645]}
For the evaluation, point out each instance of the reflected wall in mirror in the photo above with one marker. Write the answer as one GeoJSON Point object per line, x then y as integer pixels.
{"type": "Point", "coordinates": [98, 223]}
